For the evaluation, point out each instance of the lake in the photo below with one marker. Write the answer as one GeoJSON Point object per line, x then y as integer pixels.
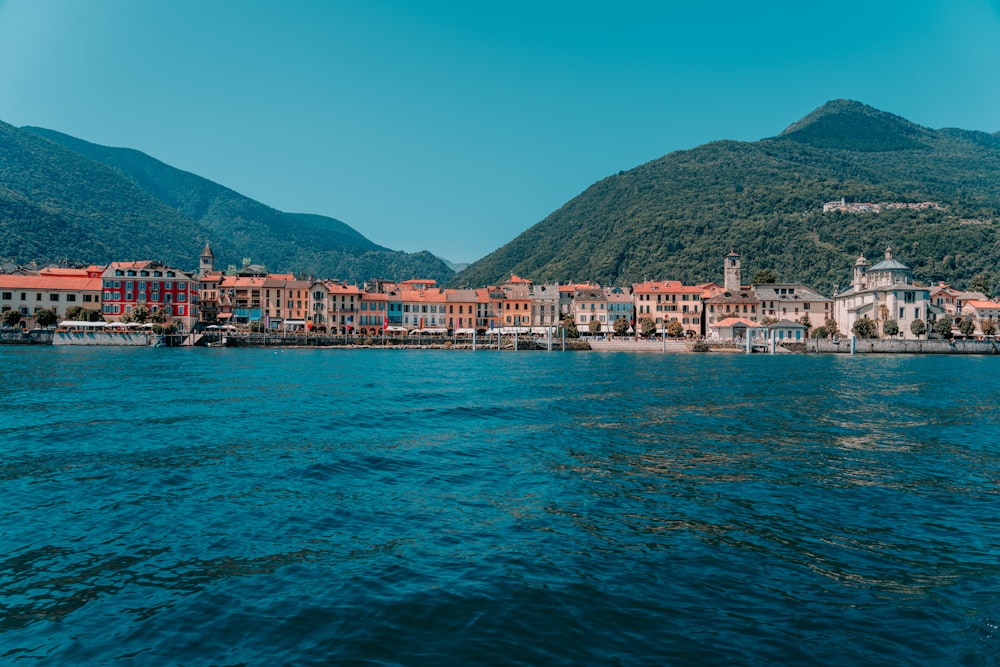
{"type": "Point", "coordinates": [429, 507]}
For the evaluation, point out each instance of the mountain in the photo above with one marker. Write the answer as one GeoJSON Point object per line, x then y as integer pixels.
{"type": "Point", "coordinates": [62, 198]}
{"type": "Point", "coordinates": [677, 216]}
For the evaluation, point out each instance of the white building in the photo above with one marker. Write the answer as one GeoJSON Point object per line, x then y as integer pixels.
{"type": "Point", "coordinates": [882, 293]}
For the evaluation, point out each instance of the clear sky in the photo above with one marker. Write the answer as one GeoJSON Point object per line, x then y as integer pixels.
{"type": "Point", "coordinates": [454, 126]}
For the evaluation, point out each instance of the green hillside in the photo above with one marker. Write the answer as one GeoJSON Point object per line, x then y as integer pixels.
{"type": "Point", "coordinates": [675, 217]}
{"type": "Point", "coordinates": [64, 198]}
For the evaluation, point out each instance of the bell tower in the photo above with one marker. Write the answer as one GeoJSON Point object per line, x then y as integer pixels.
{"type": "Point", "coordinates": [731, 272]}
{"type": "Point", "coordinates": [207, 263]}
{"type": "Point", "coordinates": [860, 273]}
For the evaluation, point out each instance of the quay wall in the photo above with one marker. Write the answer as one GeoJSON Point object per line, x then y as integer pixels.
{"type": "Point", "coordinates": [639, 345]}
{"type": "Point", "coordinates": [936, 346]}
{"type": "Point", "coordinates": [104, 338]}
{"type": "Point", "coordinates": [21, 337]}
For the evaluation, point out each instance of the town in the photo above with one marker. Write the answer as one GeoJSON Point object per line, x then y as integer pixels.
{"type": "Point", "coordinates": [882, 301]}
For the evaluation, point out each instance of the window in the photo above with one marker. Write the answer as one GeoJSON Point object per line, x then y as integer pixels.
{"type": "Point", "coordinates": [71, 297]}
{"type": "Point", "coordinates": [128, 284]}
{"type": "Point", "coordinates": [53, 297]}
{"type": "Point", "coordinates": [900, 313]}
{"type": "Point", "coordinates": [909, 297]}
{"type": "Point", "coordinates": [8, 295]}
{"type": "Point", "coordinates": [87, 298]}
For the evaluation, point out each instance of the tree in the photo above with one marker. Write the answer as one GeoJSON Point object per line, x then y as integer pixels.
{"type": "Point", "coordinates": [140, 314]}
{"type": "Point", "coordinates": [806, 322]}
{"type": "Point", "coordinates": [46, 317]}
{"type": "Point", "coordinates": [918, 328]}
{"type": "Point", "coordinates": [158, 316]}
{"type": "Point", "coordinates": [967, 327]}
{"type": "Point", "coordinates": [764, 277]}
{"type": "Point", "coordinates": [942, 327]}
{"type": "Point", "coordinates": [621, 326]}
{"type": "Point", "coordinates": [594, 326]}
{"type": "Point", "coordinates": [674, 328]}
{"type": "Point", "coordinates": [981, 283]}
{"type": "Point", "coordinates": [987, 327]}
{"type": "Point", "coordinates": [569, 326]}
{"type": "Point", "coordinates": [890, 328]}
{"type": "Point", "coordinates": [81, 314]}
{"type": "Point", "coordinates": [818, 332]}
{"type": "Point", "coordinates": [831, 327]}
{"type": "Point", "coordinates": [11, 317]}
{"type": "Point", "coordinates": [647, 327]}
{"type": "Point", "coordinates": [864, 328]}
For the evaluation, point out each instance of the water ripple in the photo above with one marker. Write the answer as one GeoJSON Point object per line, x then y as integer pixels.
{"type": "Point", "coordinates": [426, 507]}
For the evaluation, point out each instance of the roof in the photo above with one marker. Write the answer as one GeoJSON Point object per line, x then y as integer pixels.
{"type": "Point", "coordinates": [770, 292]}
{"type": "Point", "coordinates": [50, 282]}
{"type": "Point", "coordinates": [889, 265]}
{"type": "Point", "coordinates": [462, 295]}
{"type": "Point", "coordinates": [736, 321]}
{"type": "Point", "coordinates": [979, 304]}
{"type": "Point", "coordinates": [786, 324]}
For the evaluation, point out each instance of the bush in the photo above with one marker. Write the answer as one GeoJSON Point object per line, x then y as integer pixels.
{"type": "Point", "coordinates": [890, 328]}
{"type": "Point", "coordinates": [918, 328]}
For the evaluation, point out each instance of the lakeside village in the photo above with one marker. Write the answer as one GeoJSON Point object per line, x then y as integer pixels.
{"type": "Point", "coordinates": [139, 301]}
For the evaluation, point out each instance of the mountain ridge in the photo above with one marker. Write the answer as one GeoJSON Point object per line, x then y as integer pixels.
{"type": "Point", "coordinates": [113, 187]}
{"type": "Point", "coordinates": [676, 216]}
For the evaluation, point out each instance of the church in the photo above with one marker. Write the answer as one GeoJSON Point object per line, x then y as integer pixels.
{"type": "Point", "coordinates": [881, 293]}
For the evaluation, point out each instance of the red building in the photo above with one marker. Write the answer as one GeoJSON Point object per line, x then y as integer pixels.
{"type": "Point", "coordinates": [126, 285]}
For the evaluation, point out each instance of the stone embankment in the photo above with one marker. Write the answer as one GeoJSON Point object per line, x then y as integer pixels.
{"type": "Point", "coordinates": [395, 342]}
{"type": "Point", "coordinates": [22, 337]}
{"type": "Point", "coordinates": [629, 345]}
{"type": "Point", "coordinates": [936, 346]}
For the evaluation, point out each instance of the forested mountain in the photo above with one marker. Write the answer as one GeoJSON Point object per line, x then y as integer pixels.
{"type": "Point", "coordinates": [62, 198]}
{"type": "Point", "coordinates": [675, 217]}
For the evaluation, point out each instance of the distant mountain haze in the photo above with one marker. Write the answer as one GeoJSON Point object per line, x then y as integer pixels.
{"type": "Point", "coordinates": [63, 198]}
{"type": "Point", "coordinates": [677, 216]}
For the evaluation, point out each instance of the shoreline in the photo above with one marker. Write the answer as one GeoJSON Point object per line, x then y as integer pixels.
{"type": "Point", "coordinates": [509, 343]}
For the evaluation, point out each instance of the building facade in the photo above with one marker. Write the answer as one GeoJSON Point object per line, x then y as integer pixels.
{"type": "Point", "coordinates": [882, 293]}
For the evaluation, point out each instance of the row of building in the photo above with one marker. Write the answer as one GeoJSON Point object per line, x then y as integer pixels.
{"type": "Point", "coordinates": [250, 296]}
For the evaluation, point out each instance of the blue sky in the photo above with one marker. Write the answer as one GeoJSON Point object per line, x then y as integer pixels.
{"type": "Point", "coordinates": [454, 126]}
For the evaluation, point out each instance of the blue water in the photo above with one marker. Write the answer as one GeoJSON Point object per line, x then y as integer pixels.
{"type": "Point", "coordinates": [312, 507]}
